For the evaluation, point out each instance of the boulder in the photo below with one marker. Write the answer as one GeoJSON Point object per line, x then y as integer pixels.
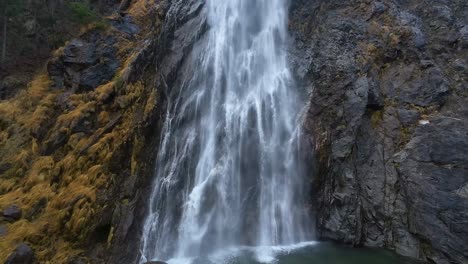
{"type": "Point", "coordinates": [79, 52]}
{"type": "Point", "coordinates": [97, 74]}
{"type": "Point", "coordinates": [23, 254]}
{"type": "Point", "coordinates": [12, 213]}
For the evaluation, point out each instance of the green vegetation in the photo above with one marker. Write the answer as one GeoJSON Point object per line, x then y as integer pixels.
{"type": "Point", "coordinates": [82, 13]}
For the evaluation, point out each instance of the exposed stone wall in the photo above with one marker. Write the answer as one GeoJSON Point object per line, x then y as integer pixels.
{"type": "Point", "coordinates": [388, 119]}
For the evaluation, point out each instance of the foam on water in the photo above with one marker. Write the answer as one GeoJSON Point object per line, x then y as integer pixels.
{"type": "Point", "coordinates": [263, 254]}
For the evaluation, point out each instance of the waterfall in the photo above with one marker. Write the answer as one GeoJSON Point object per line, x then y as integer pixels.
{"type": "Point", "coordinates": [229, 171]}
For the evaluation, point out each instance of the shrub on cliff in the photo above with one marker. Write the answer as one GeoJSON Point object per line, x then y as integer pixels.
{"type": "Point", "coordinates": [82, 13]}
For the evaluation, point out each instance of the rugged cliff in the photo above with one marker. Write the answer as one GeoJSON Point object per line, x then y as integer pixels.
{"type": "Point", "coordinates": [388, 119]}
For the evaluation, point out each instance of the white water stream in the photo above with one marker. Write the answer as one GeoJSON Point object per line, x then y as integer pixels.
{"type": "Point", "coordinates": [228, 171]}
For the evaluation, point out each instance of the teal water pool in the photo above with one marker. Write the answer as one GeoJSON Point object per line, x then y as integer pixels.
{"type": "Point", "coordinates": [304, 253]}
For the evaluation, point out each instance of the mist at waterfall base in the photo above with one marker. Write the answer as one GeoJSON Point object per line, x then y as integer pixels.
{"type": "Point", "coordinates": [302, 253]}
{"type": "Point", "coordinates": [231, 184]}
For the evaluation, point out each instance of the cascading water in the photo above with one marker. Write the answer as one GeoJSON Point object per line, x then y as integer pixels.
{"type": "Point", "coordinates": [228, 172]}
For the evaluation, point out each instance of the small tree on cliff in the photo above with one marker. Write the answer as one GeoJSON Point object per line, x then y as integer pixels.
{"type": "Point", "coordinates": [11, 9]}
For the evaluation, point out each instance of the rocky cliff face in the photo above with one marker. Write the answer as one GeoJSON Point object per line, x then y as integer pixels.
{"type": "Point", "coordinates": [388, 119]}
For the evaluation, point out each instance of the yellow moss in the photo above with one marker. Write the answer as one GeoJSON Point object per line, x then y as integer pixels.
{"type": "Point", "coordinates": [69, 181]}
{"type": "Point", "coordinates": [72, 118]}
{"type": "Point", "coordinates": [7, 185]}
{"type": "Point", "coordinates": [58, 52]}
{"type": "Point", "coordinates": [34, 147]}
{"type": "Point", "coordinates": [103, 118]}
{"type": "Point", "coordinates": [40, 171]}
{"type": "Point", "coordinates": [405, 136]}
{"type": "Point", "coordinates": [78, 141]}
{"type": "Point", "coordinates": [104, 146]}
{"type": "Point", "coordinates": [110, 237]}
{"type": "Point", "coordinates": [37, 89]}
{"type": "Point", "coordinates": [69, 193]}
{"type": "Point", "coordinates": [103, 92]}
{"type": "Point", "coordinates": [376, 118]}
{"type": "Point", "coordinates": [139, 8]}
{"type": "Point", "coordinates": [150, 104]}
{"type": "Point", "coordinates": [97, 176]}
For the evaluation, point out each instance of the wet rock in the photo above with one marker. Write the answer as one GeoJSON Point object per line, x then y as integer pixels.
{"type": "Point", "coordinates": [341, 148]}
{"type": "Point", "coordinates": [23, 254]}
{"type": "Point", "coordinates": [375, 99]}
{"type": "Point", "coordinates": [79, 52]}
{"type": "Point", "coordinates": [433, 168]}
{"type": "Point", "coordinates": [408, 117]}
{"type": "Point", "coordinates": [464, 36]}
{"type": "Point", "coordinates": [12, 213]}
{"type": "Point", "coordinates": [185, 24]}
{"type": "Point", "coordinates": [460, 65]}
{"type": "Point", "coordinates": [85, 63]}
{"type": "Point", "coordinates": [155, 262]}
{"type": "Point", "coordinates": [407, 83]}
{"type": "Point", "coordinates": [97, 74]}
{"type": "Point", "coordinates": [382, 178]}
{"type": "Point", "coordinates": [125, 24]}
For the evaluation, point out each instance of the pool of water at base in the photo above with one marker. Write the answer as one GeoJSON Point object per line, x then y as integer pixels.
{"type": "Point", "coordinates": [303, 253]}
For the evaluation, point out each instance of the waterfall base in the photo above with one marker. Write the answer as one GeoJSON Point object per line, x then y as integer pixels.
{"type": "Point", "coordinates": [302, 253]}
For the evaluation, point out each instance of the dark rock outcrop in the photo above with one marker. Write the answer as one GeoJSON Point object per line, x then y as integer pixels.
{"type": "Point", "coordinates": [85, 63]}
{"type": "Point", "coordinates": [23, 254]}
{"type": "Point", "coordinates": [184, 24]}
{"type": "Point", "coordinates": [433, 171]}
{"type": "Point", "coordinates": [388, 117]}
{"type": "Point", "coordinates": [124, 24]}
{"type": "Point", "coordinates": [12, 213]}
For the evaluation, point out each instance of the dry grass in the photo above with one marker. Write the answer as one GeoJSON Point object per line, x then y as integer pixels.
{"type": "Point", "coordinates": [69, 180]}
{"type": "Point", "coordinates": [71, 177]}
